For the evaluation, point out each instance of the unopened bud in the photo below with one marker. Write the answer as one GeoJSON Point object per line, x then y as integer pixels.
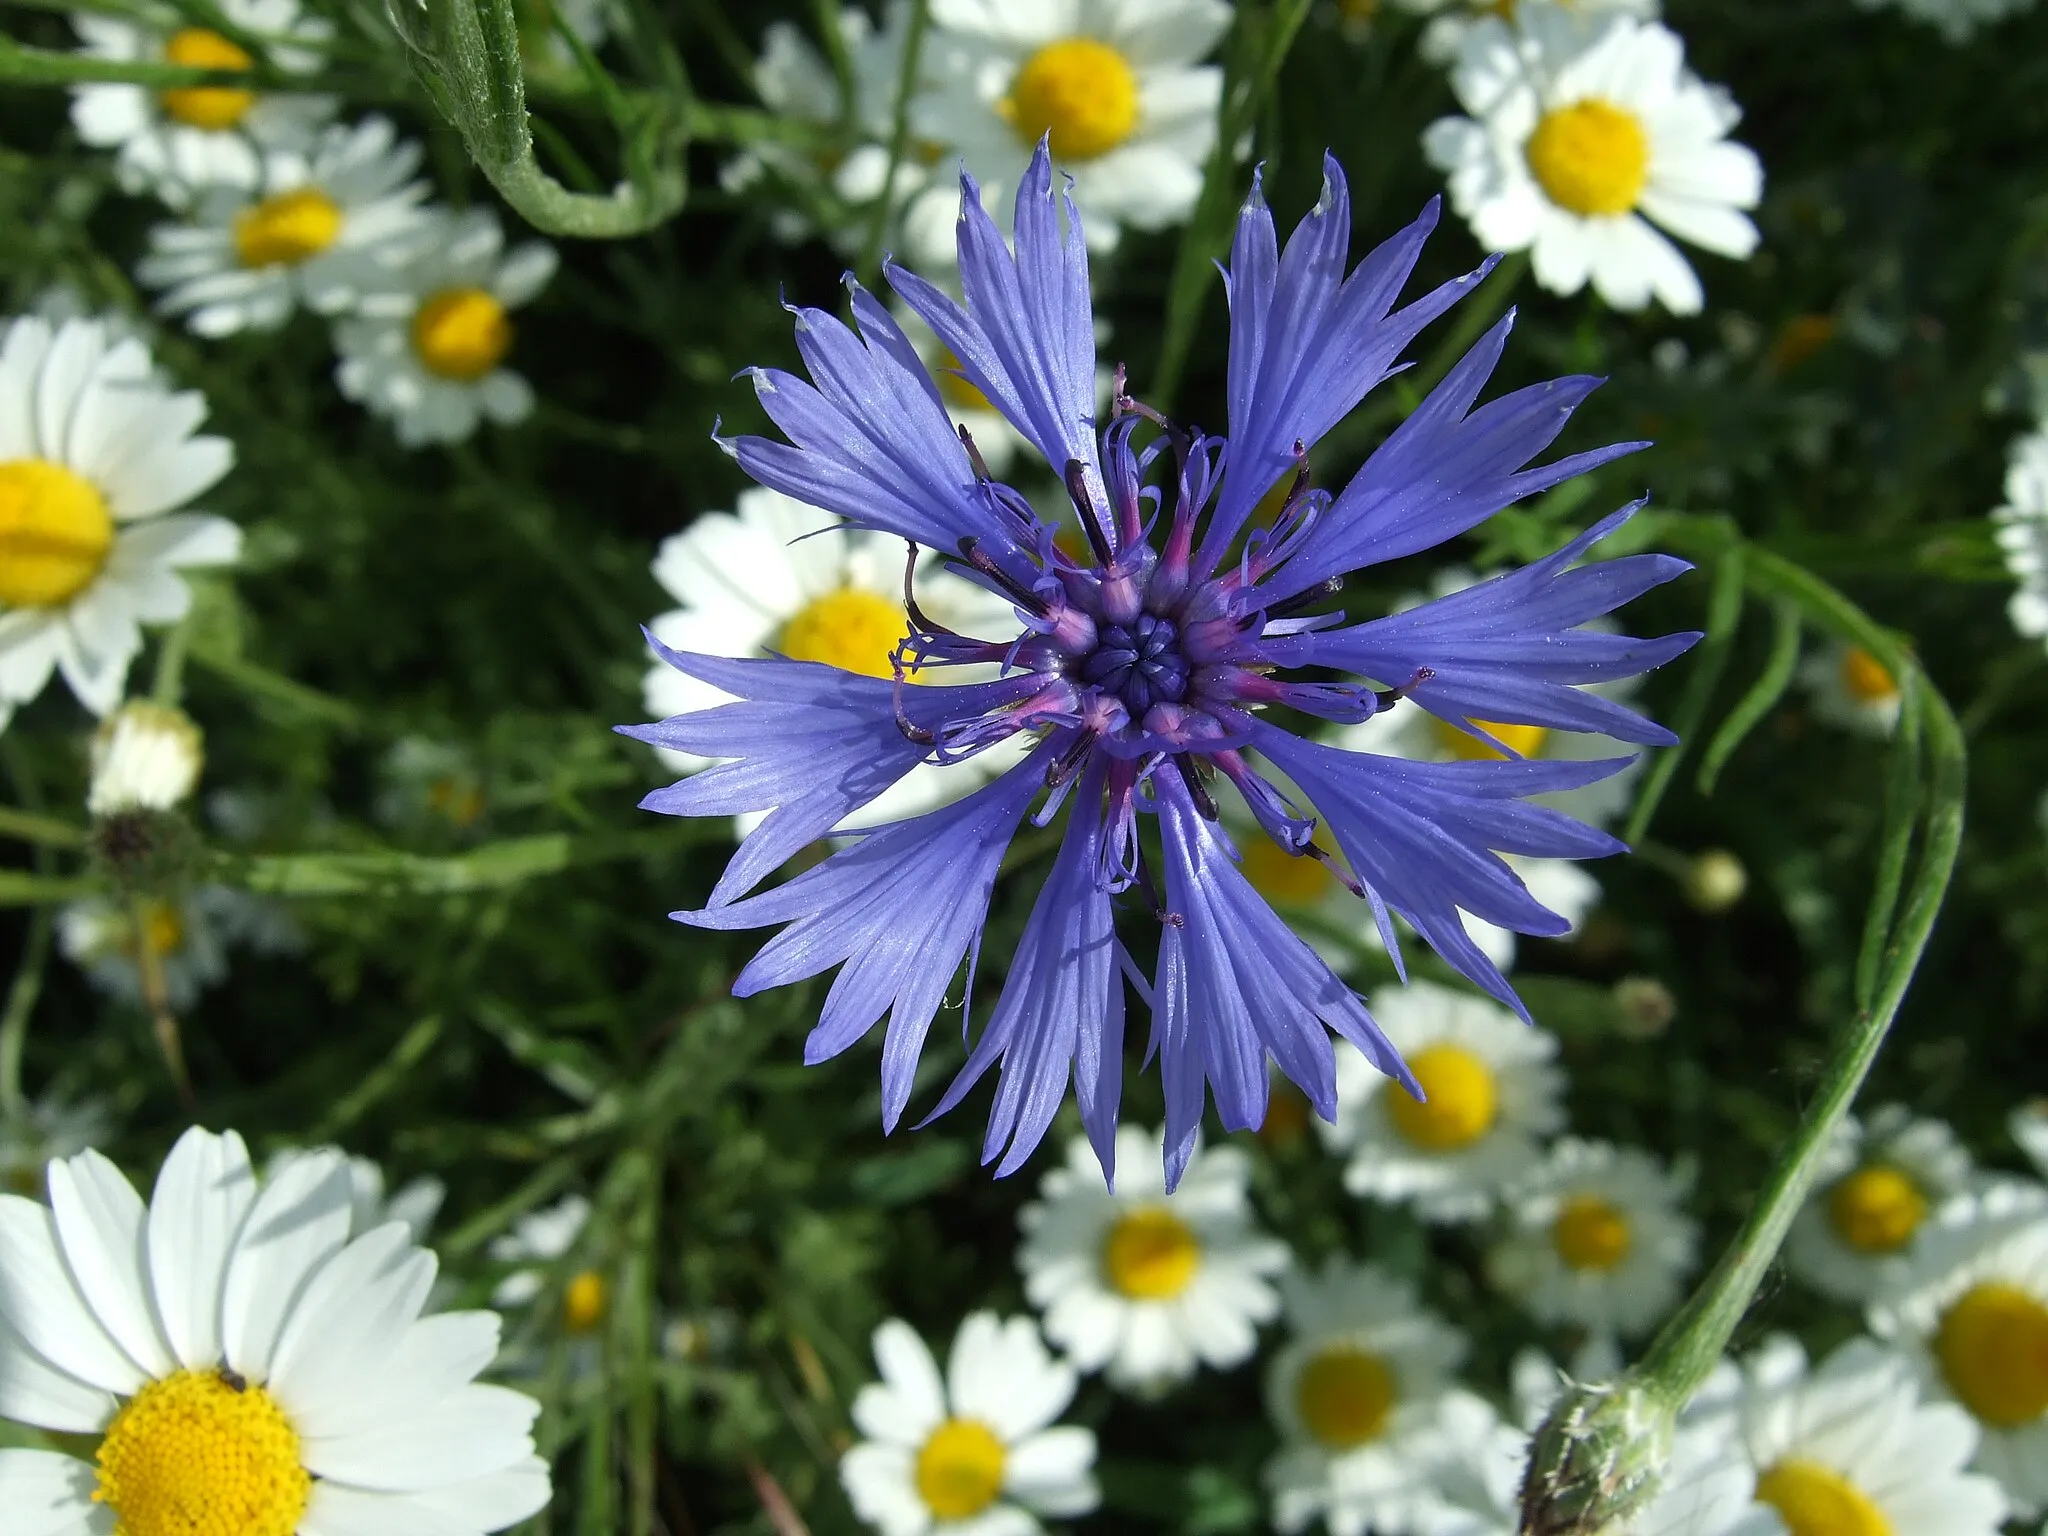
{"type": "Point", "coordinates": [145, 756]}
{"type": "Point", "coordinates": [1716, 881]}
{"type": "Point", "coordinates": [1596, 1459]}
{"type": "Point", "coordinates": [1644, 1007]}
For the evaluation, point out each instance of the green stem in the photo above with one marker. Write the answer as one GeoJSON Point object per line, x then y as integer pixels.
{"type": "Point", "coordinates": [899, 137]}
{"type": "Point", "coordinates": [46, 831]}
{"type": "Point", "coordinates": [21, 1004]}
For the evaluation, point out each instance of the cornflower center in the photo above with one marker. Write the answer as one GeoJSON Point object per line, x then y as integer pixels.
{"type": "Point", "coordinates": [960, 1469]}
{"type": "Point", "coordinates": [1345, 1397]}
{"type": "Point", "coordinates": [287, 229]}
{"type": "Point", "coordinates": [584, 1300]}
{"type": "Point", "coordinates": [1814, 1500]}
{"type": "Point", "coordinates": [1139, 662]}
{"type": "Point", "coordinates": [1283, 878]}
{"type": "Point", "coordinates": [1079, 90]}
{"type": "Point", "coordinates": [55, 532]}
{"type": "Point", "coordinates": [1525, 739]}
{"type": "Point", "coordinates": [1462, 1099]}
{"type": "Point", "coordinates": [1993, 1349]}
{"type": "Point", "coordinates": [1866, 679]}
{"type": "Point", "coordinates": [1591, 1233]}
{"type": "Point", "coordinates": [214, 107]}
{"type": "Point", "coordinates": [1591, 158]}
{"type": "Point", "coordinates": [1150, 1254]}
{"type": "Point", "coordinates": [199, 1454]}
{"type": "Point", "coordinates": [460, 333]}
{"type": "Point", "coordinates": [852, 629]}
{"type": "Point", "coordinates": [1876, 1209]}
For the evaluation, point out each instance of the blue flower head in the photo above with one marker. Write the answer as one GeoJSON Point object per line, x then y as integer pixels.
{"type": "Point", "coordinates": [1143, 673]}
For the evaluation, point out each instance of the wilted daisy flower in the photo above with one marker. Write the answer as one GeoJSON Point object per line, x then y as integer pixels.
{"type": "Point", "coordinates": [537, 1241]}
{"type": "Point", "coordinates": [1492, 1095]}
{"type": "Point", "coordinates": [2023, 534]}
{"type": "Point", "coordinates": [1145, 1283]}
{"type": "Point", "coordinates": [1847, 1448]}
{"type": "Point", "coordinates": [188, 935]}
{"type": "Point", "coordinates": [776, 577]}
{"type": "Point", "coordinates": [178, 142]}
{"type": "Point", "coordinates": [1852, 689]}
{"type": "Point", "coordinates": [1117, 87]}
{"type": "Point", "coordinates": [145, 756]}
{"type": "Point", "coordinates": [46, 1128]}
{"type": "Point", "coordinates": [1971, 1305]}
{"type": "Point", "coordinates": [93, 452]}
{"type": "Point", "coordinates": [245, 1365]}
{"type": "Point", "coordinates": [1878, 1184]}
{"type": "Point", "coordinates": [427, 352]}
{"type": "Point", "coordinates": [1139, 677]}
{"type": "Point", "coordinates": [1582, 137]}
{"type": "Point", "coordinates": [1453, 19]}
{"type": "Point", "coordinates": [976, 1453]}
{"type": "Point", "coordinates": [324, 227]}
{"type": "Point", "coordinates": [1598, 1239]}
{"type": "Point", "coordinates": [414, 1203]}
{"type": "Point", "coordinates": [1957, 19]}
{"type": "Point", "coordinates": [1352, 1391]}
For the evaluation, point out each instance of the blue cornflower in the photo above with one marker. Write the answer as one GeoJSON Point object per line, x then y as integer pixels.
{"type": "Point", "coordinates": [1142, 672]}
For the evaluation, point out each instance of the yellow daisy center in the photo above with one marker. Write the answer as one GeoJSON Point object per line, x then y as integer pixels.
{"type": "Point", "coordinates": [1866, 679]}
{"type": "Point", "coordinates": [461, 333]}
{"type": "Point", "coordinates": [851, 629]}
{"type": "Point", "coordinates": [1876, 1209]}
{"type": "Point", "coordinates": [1462, 1104]}
{"type": "Point", "coordinates": [55, 532]}
{"type": "Point", "coordinates": [1150, 1254]}
{"type": "Point", "coordinates": [1283, 878]}
{"type": "Point", "coordinates": [1993, 1348]}
{"type": "Point", "coordinates": [455, 800]}
{"type": "Point", "coordinates": [1591, 158]}
{"type": "Point", "coordinates": [954, 390]}
{"type": "Point", "coordinates": [583, 1302]}
{"type": "Point", "coordinates": [1345, 1396]}
{"type": "Point", "coordinates": [1525, 739]}
{"type": "Point", "coordinates": [1081, 91]}
{"type": "Point", "coordinates": [1591, 1233]}
{"type": "Point", "coordinates": [199, 1454]}
{"type": "Point", "coordinates": [284, 230]}
{"type": "Point", "coordinates": [163, 928]}
{"type": "Point", "coordinates": [217, 107]}
{"type": "Point", "coordinates": [960, 1469]}
{"type": "Point", "coordinates": [1813, 1500]}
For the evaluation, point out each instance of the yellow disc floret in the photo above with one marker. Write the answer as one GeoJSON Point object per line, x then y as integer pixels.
{"type": "Point", "coordinates": [1866, 679]}
{"type": "Point", "coordinates": [1525, 739]}
{"type": "Point", "coordinates": [1591, 1233]}
{"type": "Point", "coordinates": [1591, 158]}
{"type": "Point", "coordinates": [960, 1469]}
{"type": "Point", "coordinates": [1461, 1103]}
{"type": "Point", "coordinates": [284, 230]}
{"type": "Point", "coordinates": [851, 629]}
{"type": "Point", "coordinates": [218, 107]}
{"type": "Point", "coordinates": [163, 928]}
{"type": "Point", "coordinates": [1079, 90]}
{"type": "Point", "coordinates": [1876, 1209]}
{"type": "Point", "coordinates": [583, 1302]}
{"type": "Point", "coordinates": [460, 333]}
{"type": "Point", "coordinates": [1345, 1396]}
{"type": "Point", "coordinates": [55, 532]}
{"type": "Point", "coordinates": [1150, 1254]}
{"type": "Point", "coordinates": [201, 1453]}
{"type": "Point", "coordinates": [1814, 1500]}
{"type": "Point", "coordinates": [1993, 1349]}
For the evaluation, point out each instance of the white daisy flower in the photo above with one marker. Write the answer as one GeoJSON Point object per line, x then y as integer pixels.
{"type": "Point", "coordinates": [1598, 1239]}
{"type": "Point", "coordinates": [1353, 1391]}
{"type": "Point", "coordinates": [1452, 19]}
{"type": "Point", "coordinates": [93, 452]}
{"type": "Point", "coordinates": [1847, 1448]}
{"type": "Point", "coordinates": [1579, 139]}
{"type": "Point", "coordinates": [2023, 534]}
{"type": "Point", "coordinates": [330, 223]}
{"type": "Point", "coordinates": [1957, 19]}
{"type": "Point", "coordinates": [2029, 1127]}
{"type": "Point", "coordinates": [414, 1203]}
{"type": "Point", "coordinates": [1117, 84]}
{"type": "Point", "coordinates": [974, 1454]}
{"type": "Point", "coordinates": [179, 142]}
{"type": "Point", "coordinates": [245, 1365]}
{"type": "Point", "coordinates": [1493, 1096]}
{"type": "Point", "coordinates": [1877, 1184]}
{"type": "Point", "coordinates": [1146, 1284]}
{"type": "Point", "coordinates": [1971, 1306]}
{"type": "Point", "coordinates": [428, 784]}
{"type": "Point", "coordinates": [538, 1242]}
{"type": "Point", "coordinates": [189, 936]}
{"type": "Point", "coordinates": [1852, 689]}
{"type": "Point", "coordinates": [46, 1128]}
{"type": "Point", "coordinates": [779, 576]}
{"type": "Point", "coordinates": [427, 353]}
{"type": "Point", "coordinates": [145, 756]}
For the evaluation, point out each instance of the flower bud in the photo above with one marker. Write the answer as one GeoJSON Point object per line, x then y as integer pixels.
{"type": "Point", "coordinates": [1596, 1459]}
{"type": "Point", "coordinates": [1716, 881]}
{"type": "Point", "coordinates": [145, 756]}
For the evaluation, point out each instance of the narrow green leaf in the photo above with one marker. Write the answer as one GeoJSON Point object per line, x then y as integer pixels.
{"type": "Point", "coordinates": [1759, 701]}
